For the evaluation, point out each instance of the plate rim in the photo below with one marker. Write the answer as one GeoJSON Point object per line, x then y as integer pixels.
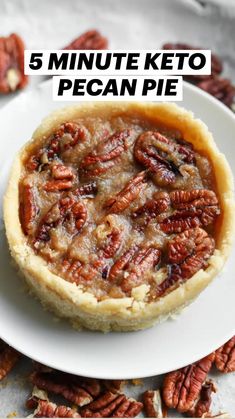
{"type": "Point", "coordinates": [105, 375]}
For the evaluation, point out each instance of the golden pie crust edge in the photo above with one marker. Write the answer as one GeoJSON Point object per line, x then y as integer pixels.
{"type": "Point", "coordinates": [131, 313]}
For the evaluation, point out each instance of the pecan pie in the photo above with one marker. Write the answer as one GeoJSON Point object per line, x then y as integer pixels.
{"type": "Point", "coordinates": [119, 214]}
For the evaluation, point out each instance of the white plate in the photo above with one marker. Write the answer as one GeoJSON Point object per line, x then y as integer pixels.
{"type": "Point", "coordinates": [201, 328]}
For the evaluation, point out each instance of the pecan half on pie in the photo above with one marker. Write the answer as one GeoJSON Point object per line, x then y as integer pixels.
{"type": "Point", "coordinates": [119, 214]}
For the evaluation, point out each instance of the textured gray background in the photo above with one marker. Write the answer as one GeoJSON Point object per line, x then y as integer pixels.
{"type": "Point", "coordinates": [129, 24]}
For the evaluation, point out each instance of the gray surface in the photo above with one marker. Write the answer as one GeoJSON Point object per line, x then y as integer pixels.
{"type": "Point", "coordinates": [129, 24]}
{"type": "Point", "coordinates": [15, 390]}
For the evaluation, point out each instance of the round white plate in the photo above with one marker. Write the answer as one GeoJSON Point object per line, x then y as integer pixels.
{"type": "Point", "coordinates": [201, 328]}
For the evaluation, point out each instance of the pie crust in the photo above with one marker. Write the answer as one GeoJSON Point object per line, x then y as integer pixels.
{"type": "Point", "coordinates": [133, 312]}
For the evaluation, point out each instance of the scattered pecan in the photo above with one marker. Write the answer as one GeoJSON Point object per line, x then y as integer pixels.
{"type": "Point", "coordinates": [12, 75]}
{"type": "Point", "coordinates": [216, 63]}
{"type": "Point", "coordinates": [105, 154]}
{"type": "Point", "coordinates": [28, 209]}
{"type": "Point", "coordinates": [66, 209]}
{"type": "Point", "coordinates": [67, 136]}
{"type": "Point", "coordinates": [128, 194]}
{"type": "Point", "coordinates": [153, 404]}
{"type": "Point", "coordinates": [202, 406]}
{"type": "Point", "coordinates": [78, 390]}
{"type": "Point", "coordinates": [161, 156]}
{"type": "Point", "coordinates": [187, 254]}
{"type": "Point", "coordinates": [225, 356]}
{"type": "Point", "coordinates": [182, 388]}
{"type": "Point", "coordinates": [8, 359]}
{"type": "Point", "coordinates": [89, 40]}
{"type": "Point", "coordinates": [198, 207]}
{"type": "Point", "coordinates": [87, 190]}
{"type": "Point", "coordinates": [59, 172]}
{"type": "Point", "coordinates": [46, 409]}
{"type": "Point", "coordinates": [222, 89]}
{"type": "Point", "coordinates": [115, 386]}
{"type": "Point", "coordinates": [130, 267]}
{"type": "Point", "coordinates": [112, 406]}
{"type": "Point", "coordinates": [57, 185]}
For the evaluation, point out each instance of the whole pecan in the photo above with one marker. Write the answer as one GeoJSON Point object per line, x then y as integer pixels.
{"type": "Point", "coordinates": [28, 208]}
{"type": "Point", "coordinates": [78, 390]}
{"type": "Point", "coordinates": [60, 171]}
{"type": "Point", "coordinates": [105, 154]}
{"type": "Point", "coordinates": [131, 266]}
{"type": "Point", "coordinates": [222, 89]}
{"type": "Point", "coordinates": [71, 268]}
{"type": "Point", "coordinates": [89, 40]}
{"type": "Point", "coordinates": [113, 244]}
{"type": "Point", "coordinates": [153, 404]}
{"type": "Point", "coordinates": [128, 194]}
{"type": "Point", "coordinates": [187, 253]}
{"type": "Point", "coordinates": [8, 359]}
{"type": "Point", "coordinates": [122, 263]}
{"type": "Point", "coordinates": [153, 207]}
{"type": "Point", "coordinates": [12, 75]}
{"type": "Point", "coordinates": [112, 405]}
{"type": "Point", "coordinates": [216, 63]}
{"type": "Point", "coordinates": [57, 185]}
{"type": "Point", "coordinates": [65, 209]}
{"type": "Point", "coordinates": [67, 136]}
{"type": "Point", "coordinates": [161, 156]}
{"type": "Point", "coordinates": [198, 207]}
{"type": "Point", "coordinates": [182, 388]}
{"type": "Point", "coordinates": [225, 356]}
{"type": "Point", "coordinates": [46, 409]}
{"type": "Point", "coordinates": [203, 404]}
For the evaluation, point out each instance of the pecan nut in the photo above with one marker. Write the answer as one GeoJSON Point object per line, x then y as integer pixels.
{"type": "Point", "coordinates": [160, 203]}
{"type": "Point", "coordinates": [12, 75]}
{"type": "Point", "coordinates": [105, 154]}
{"type": "Point", "coordinates": [112, 405]}
{"type": "Point", "coordinates": [127, 195]}
{"type": "Point", "coordinates": [182, 388]}
{"type": "Point", "coordinates": [46, 409]}
{"type": "Point", "coordinates": [88, 40]}
{"type": "Point", "coordinates": [216, 63]}
{"type": "Point", "coordinates": [113, 245]}
{"type": "Point", "coordinates": [198, 207]}
{"type": "Point", "coordinates": [28, 209]}
{"type": "Point", "coordinates": [79, 391]}
{"type": "Point", "coordinates": [153, 404]}
{"type": "Point", "coordinates": [188, 252]}
{"type": "Point", "coordinates": [64, 210]}
{"type": "Point", "coordinates": [60, 172]}
{"type": "Point", "coordinates": [225, 357]}
{"type": "Point", "coordinates": [161, 156]}
{"type": "Point", "coordinates": [203, 404]}
{"type": "Point", "coordinates": [57, 185]}
{"type": "Point", "coordinates": [222, 89]}
{"type": "Point", "coordinates": [8, 359]}
{"type": "Point", "coordinates": [115, 386]}
{"type": "Point", "coordinates": [88, 190]}
{"type": "Point", "coordinates": [66, 137]}
{"type": "Point", "coordinates": [131, 266]}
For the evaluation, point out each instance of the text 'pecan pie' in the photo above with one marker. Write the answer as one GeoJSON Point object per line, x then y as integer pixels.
{"type": "Point", "coordinates": [119, 214]}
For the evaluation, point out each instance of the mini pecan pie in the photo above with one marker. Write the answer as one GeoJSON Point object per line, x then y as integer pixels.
{"type": "Point", "coordinates": [119, 214]}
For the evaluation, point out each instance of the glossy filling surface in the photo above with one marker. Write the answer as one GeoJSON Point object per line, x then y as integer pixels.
{"type": "Point", "coordinates": [115, 204]}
